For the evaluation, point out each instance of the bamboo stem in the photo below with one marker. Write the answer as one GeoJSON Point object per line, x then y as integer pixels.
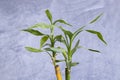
{"type": "Point", "coordinates": [58, 72]}
{"type": "Point", "coordinates": [67, 74]}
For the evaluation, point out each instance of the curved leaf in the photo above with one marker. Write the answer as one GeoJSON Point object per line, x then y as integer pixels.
{"type": "Point", "coordinates": [99, 35]}
{"type": "Point", "coordinates": [75, 47]}
{"type": "Point", "coordinates": [31, 49]}
{"type": "Point", "coordinates": [68, 33]}
{"type": "Point", "coordinates": [43, 40]}
{"type": "Point", "coordinates": [62, 21]}
{"type": "Point", "coordinates": [34, 32]}
{"type": "Point", "coordinates": [42, 25]}
{"type": "Point", "coordinates": [77, 32]}
{"type": "Point", "coordinates": [94, 20]}
{"type": "Point", "coordinates": [58, 38]}
{"type": "Point", "coordinates": [49, 15]}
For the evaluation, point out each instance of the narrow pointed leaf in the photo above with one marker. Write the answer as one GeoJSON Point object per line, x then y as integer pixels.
{"type": "Point", "coordinates": [31, 49]}
{"type": "Point", "coordinates": [77, 32]}
{"type": "Point", "coordinates": [94, 50]}
{"type": "Point", "coordinates": [49, 15]}
{"type": "Point", "coordinates": [74, 64]}
{"type": "Point", "coordinates": [34, 32]}
{"type": "Point", "coordinates": [43, 40]}
{"type": "Point", "coordinates": [64, 40]}
{"type": "Point", "coordinates": [75, 47]}
{"type": "Point", "coordinates": [101, 38]}
{"type": "Point", "coordinates": [59, 61]}
{"type": "Point", "coordinates": [94, 20]}
{"type": "Point", "coordinates": [99, 35]}
{"type": "Point", "coordinates": [68, 33]}
{"type": "Point", "coordinates": [62, 21]}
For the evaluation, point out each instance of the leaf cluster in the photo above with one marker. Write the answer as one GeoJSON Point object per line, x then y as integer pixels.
{"type": "Point", "coordinates": [67, 39]}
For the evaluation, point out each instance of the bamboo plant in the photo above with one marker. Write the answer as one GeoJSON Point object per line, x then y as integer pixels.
{"type": "Point", "coordinates": [68, 40]}
{"type": "Point", "coordinates": [47, 40]}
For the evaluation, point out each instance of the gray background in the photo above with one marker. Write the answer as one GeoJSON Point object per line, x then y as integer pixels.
{"type": "Point", "coordinates": [18, 64]}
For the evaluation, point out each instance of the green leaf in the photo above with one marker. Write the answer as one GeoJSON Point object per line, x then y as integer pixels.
{"type": "Point", "coordinates": [47, 44]}
{"type": "Point", "coordinates": [61, 39]}
{"type": "Point", "coordinates": [68, 33]}
{"type": "Point", "coordinates": [66, 41]}
{"type": "Point", "coordinates": [58, 38]}
{"type": "Point", "coordinates": [43, 40]}
{"type": "Point", "coordinates": [42, 25]}
{"type": "Point", "coordinates": [99, 35]}
{"type": "Point", "coordinates": [74, 63]}
{"type": "Point", "coordinates": [49, 15]}
{"type": "Point", "coordinates": [60, 50]}
{"type": "Point", "coordinates": [94, 50]}
{"type": "Point", "coordinates": [34, 32]}
{"type": "Point", "coordinates": [47, 49]}
{"type": "Point", "coordinates": [59, 61]}
{"type": "Point", "coordinates": [94, 20]}
{"type": "Point", "coordinates": [75, 47]}
{"type": "Point", "coordinates": [31, 49]}
{"type": "Point", "coordinates": [57, 49]}
{"type": "Point", "coordinates": [62, 21]}
{"type": "Point", "coordinates": [77, 32]}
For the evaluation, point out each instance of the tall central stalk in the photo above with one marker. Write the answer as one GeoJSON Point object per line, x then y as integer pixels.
{"type": "Point", "coordinates": [68, 69]}
{"type": "Point", "coordinates": [56, 67]}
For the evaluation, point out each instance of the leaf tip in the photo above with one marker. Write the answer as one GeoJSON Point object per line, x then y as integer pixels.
{"type": "Point", "coordinates": [94, 50]}
{"type": "Point", "coordinates": [95, 19]}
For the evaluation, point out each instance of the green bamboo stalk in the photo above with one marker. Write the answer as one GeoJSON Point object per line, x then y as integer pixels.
{"type": "Point", "coordinates": [67, 74]}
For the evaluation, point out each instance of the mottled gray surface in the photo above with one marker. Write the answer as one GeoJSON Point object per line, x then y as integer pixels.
{"type": "Point", "coordinates": [18, 64]}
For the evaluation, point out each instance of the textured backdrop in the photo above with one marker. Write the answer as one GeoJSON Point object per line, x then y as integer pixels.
{"type": "Point", "coordinates": [18, 64]}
